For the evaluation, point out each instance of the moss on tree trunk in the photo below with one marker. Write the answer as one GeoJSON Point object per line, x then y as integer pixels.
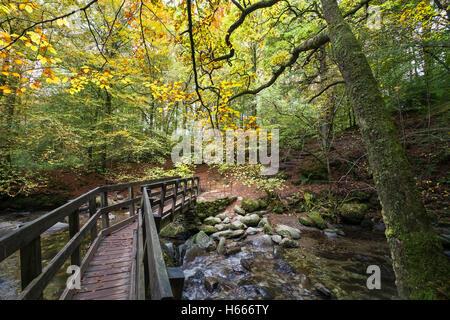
{"type": "Point", "coordinates": [419, 264]}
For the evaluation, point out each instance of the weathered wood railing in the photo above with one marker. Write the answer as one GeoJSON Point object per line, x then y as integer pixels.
{"type": "Point", "coordinates": [153, 279]}
{"type": "Point", "coordinates": [27, 239]}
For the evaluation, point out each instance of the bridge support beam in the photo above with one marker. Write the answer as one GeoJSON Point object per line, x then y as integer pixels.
{"type": "Point", "coordinates": [176, 278]}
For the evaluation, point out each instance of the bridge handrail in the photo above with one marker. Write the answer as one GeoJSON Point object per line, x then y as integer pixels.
{"type": "Point", "coordinates": [156, 281]}
{"type": "Point", "coordinates": [27, 238]}
{"type": "Point", "coordinates": [152, 279]}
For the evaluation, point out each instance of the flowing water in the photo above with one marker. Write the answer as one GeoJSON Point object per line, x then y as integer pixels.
{"type": "Point", "coordinates": [259, 270]}
{"type": "Point", "coordinates": [270, 272]}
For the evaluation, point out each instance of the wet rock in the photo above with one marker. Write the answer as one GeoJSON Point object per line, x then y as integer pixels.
{"type": "Point", "coordinates": [211, 284]}
{"type": "Point", "coordinates": [238, 210]}
{"type": "Point", "coordinates": [233, 248]}
{"type": "Point", "coordinates": [237, 225]}
{"type": "Point", "coordinates": [251, 220]}
{"type": "Point", "coordinates": [57, 227]}
{"type": "Point", "coordinates": [198, 276]}
{"type": "Point", "coordinates": [266, 292]}
{"type": "Point", "coordinates": [330, 233]}
{"type": "Point", "coordinates": [249, 205]}
{"type": "Point", "coordinates": [353, 212]}
{"type": "Point", "coordinates": [204, 241]}
{"type": "Point", "coordinates": [226, 220]}
{"type": "Point", "coordinates": [379, 227]}
{"type": "Point", "coordinates": [284, 230]}
{"type": "Point", "coordinates": [262, 241]}
{"type": "Point", "coordinates": [212, 221]}
{"type": "Point", "coordinates": [277, 239]}
{"type": "Point", "coordinates": [333, 233]}
{"type": "Point", "coordinates": [247, 264]}
{"type": "Point", "coordinates": [210, 229]}
{"type": "Point", "coordinates": [111, 216]}
{"type": "Point", "coordinates": [252, 231]}
{"type": "Point", "coordinates": [263, 222]}
{"type": "Point", "coordinates": [192, 252]}
{"type": "Point", "coordinates": [221, 246]}
{"type": "Point", "coordinates": [289, 243]}
{"type": "Point", "coordinates": [322, 290]}
{"type": "Point", "coordinates": [228, 234]}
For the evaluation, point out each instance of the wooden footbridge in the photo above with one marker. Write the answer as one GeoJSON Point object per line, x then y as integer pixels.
{"type": "Point", "coordinates": [122, 261]}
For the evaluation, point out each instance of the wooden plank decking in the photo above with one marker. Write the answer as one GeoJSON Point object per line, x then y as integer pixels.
{"type": "Point", "coordinates": [108, 275]}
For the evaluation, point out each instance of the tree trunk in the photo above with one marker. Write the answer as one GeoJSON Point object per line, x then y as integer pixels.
{"type": "Point", "coordinates": [419, 264]}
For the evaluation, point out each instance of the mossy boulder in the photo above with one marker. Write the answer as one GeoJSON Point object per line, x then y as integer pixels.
{"type": "Point", "coordinates": [306, 221]}
{"type": "Point", "coordinates": [268, 229]}
{"type": "Point", "coordinates": [249, 205]}
{"type": "Point", "coordinates": [262, 203]}
{"type": "Point", "coordinates": [205, 209]}
{"type": "Point", "coordinates": [228, 234]}
{"type": "Point", "coordinates": [222, 216]}
{"type": "Point", "coordinates": [317, 219]}
{"type": "Point", "coordinates": [237, 209]}
{"type": "Point", "coordinates": [251, 220]}
{"type": "Point", "coordinates": [287, 231]}
{"type": "Point", "coordinates": [263, 222]}
{"type": "Point", "coordinates": [212, 221]}
{"type": "Point", "coordinates": [173, 230]}
{"type": "Point", "coordinates": [289, 243]}
{"type": "Point", "coordinates": [202, 240]}
{"type": "Point", "coordinates": [353, 213]}
{"type": "Point", "coordinates": [209, 229]}
{"type": "Point", "coordinates": [237, 225]}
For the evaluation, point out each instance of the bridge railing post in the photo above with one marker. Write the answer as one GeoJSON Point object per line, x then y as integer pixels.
{"type": "Point", "coordinates": [162, 197]}
{"type": "Point", "coordinates": [92, 210]}
{"type": "Point", "coordinates": [30, 262]}
{"type": "Point", "coordinates": [105, 216]}
{"type": "Point", "coordinates": [183, 199]}
{"type": "Point", "coordinates": [174, 203]}
{"type": "Point", "coordinates": [74, 227]}
{"type": "Point", "coordinates": [131, 196]}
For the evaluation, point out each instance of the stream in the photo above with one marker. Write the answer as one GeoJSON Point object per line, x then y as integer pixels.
{"type": "Point", "coordinates": [252, 268]}
{"type": "Point", "coordinates": [321, 268]}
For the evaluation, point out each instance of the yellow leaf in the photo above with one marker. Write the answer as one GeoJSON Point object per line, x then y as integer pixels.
{"type": "Point", "coordinates": [28, 8]}
{"type": "Point", "coordinates": [17, 61]}
{"type": "Point", "coordinates": [22, 6]}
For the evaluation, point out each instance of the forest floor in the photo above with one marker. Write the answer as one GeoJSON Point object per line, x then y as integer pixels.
{"type": "Point", "coordinates": [427, 149]}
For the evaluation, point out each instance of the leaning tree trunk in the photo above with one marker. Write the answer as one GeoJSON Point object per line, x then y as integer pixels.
{"type": "Point", "coordinates": [419, 264]}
